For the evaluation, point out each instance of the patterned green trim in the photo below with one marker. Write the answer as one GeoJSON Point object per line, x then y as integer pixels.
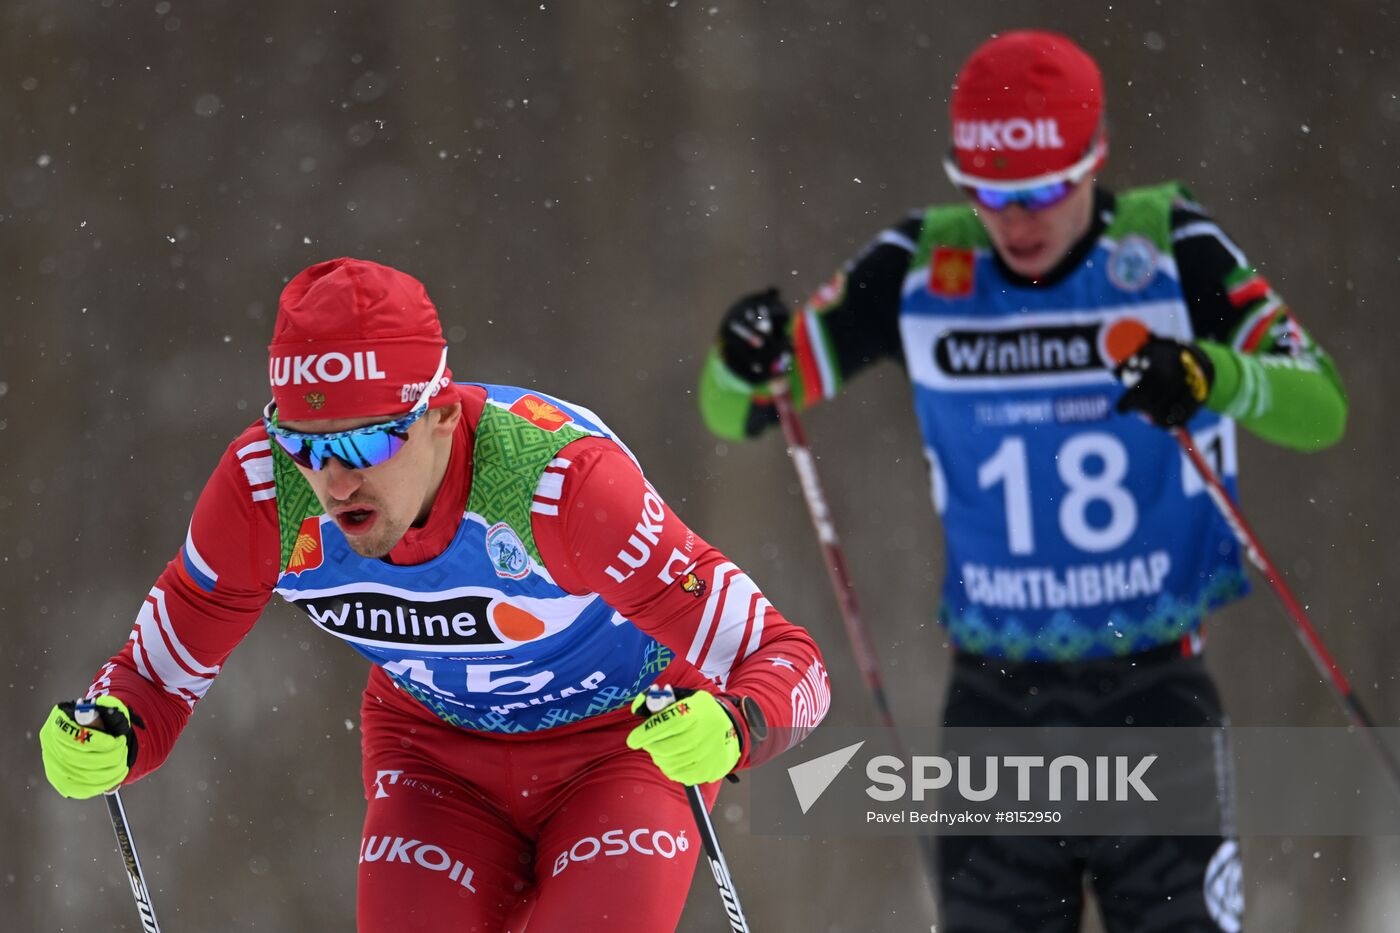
{"type": "Point", "coordinates": [295, 501]}
{"type": "Point", "coordinates": [508, 457]}
{"type": "Point", "coordinates": [1063, 639]}
{"type": "Point", "coordinates": [605, 700]}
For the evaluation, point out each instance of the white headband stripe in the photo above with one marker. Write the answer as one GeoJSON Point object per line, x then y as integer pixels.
{"type": "Point", "coordinates": [1074, 174]}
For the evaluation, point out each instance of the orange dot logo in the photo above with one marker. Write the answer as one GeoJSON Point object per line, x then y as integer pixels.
{"type": "Point", "coordinates": [516, 624]}
{"type": "Point", "coordinates": [1122, 338]}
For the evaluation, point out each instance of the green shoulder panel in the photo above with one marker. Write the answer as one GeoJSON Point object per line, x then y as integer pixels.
{"type": "Point", "coordinates": [951, 225]}
{"type": "Point", "coordinates": [295, 501]}
{"type": "Point", "coordinates": [509, 455]}
{"type": "Point", "coordinates": [1147, 212]}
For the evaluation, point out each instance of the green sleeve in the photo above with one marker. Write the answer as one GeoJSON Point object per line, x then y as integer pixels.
{"type": "Point", "coordinates": [726, 401]}
{"type": "Point", "coordinates": [1293, 401]}
{"type": "Point", "coordinates": [1270, 375]}
{"type": "Point", "coordinates": [736, 409]}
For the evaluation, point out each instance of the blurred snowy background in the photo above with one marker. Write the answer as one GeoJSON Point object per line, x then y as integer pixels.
{"type": "Point", "coordinates": [583, 187]}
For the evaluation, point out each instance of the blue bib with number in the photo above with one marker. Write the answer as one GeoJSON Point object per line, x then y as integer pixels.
{"type": "Point", "coordinates": [1072, 531]}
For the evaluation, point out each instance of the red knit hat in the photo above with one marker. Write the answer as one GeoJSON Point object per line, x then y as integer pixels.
{"type": "Point", "coordinates": [355, 339]}
{"type": "Point", "coordinates": [1027, 105]}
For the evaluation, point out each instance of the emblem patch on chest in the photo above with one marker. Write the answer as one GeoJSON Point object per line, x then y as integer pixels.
{"type": "Point", "coordinates": [950, 272]}
{"type": "Point", "coordinates": [506, 552]}
{"type": "Point", "coordinates": [1133, 264]}
{"type": "Point", "coordinates": [307, 553]}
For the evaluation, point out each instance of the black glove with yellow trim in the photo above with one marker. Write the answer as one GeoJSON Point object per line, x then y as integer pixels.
{"type": "Point", "coordinates": [1167, 381]}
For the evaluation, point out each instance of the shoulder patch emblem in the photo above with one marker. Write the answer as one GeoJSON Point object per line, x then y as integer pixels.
{"type": "Point", "coordinates": [307, 553]}
{"type": "Point", "coordinates": [950, 272]}
{"type": "Point", "coordinates": [1133, 263]}
{"type": "Point", "coordinates": [540, 413]}
{"type": "Point", "coordinates": [693, 585]}
{"type": "Point", "coordinates": [506, 552]}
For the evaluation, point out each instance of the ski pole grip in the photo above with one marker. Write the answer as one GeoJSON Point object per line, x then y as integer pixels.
{"type": "Point", "coordinates": [84, 712]}
{"type": "Point", "coordinates": [658, 698]}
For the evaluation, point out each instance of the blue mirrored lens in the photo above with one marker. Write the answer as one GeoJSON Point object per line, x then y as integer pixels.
{"type": "Point", "coordinates": [294, 448]}
{"type": "Point", "coordinates": [1032, 199]}
{"type": "Point", "coordinates": [357, 450]}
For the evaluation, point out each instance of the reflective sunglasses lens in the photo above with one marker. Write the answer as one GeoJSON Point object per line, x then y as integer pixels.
{"type": "Point", "coordinates": [1032, 199]}
{"type": "Point", "coordinates": [363, 449]}
{"type": "Point", "coordinates": [296, 448]}
{"type": "Point", "coordinates": [393, 443]}
{"type": "Point", "coordinates": [990, 198]}
{"type": "Point", "coordinates": [1046, 195]}
{"type": "Point", "coordinates": [357, 450]}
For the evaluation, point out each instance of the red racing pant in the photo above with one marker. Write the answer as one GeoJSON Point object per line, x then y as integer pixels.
{"type": "Point", "coordinates": [565, 829]}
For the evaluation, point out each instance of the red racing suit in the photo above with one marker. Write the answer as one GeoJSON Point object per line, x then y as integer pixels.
{"type": "Point", "coordinates": [471, 829]}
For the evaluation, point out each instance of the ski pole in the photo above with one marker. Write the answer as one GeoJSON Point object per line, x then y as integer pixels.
{"type": "Point", "coordinates": [1132, 333]}
{"type": "Point", "coordinates": [835, 559]}
{"type": "Point", "coordinates": [658, 698]}
{"type": "Point", "coordinates": [1302, 627]}
{"type": "Point", "coordinates": [85, 714]}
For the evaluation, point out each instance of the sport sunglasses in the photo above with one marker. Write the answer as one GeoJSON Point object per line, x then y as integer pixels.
{"type": "Point", "coordinates": [1033, 194]}
{"type": "Point", "coordinates": [358, 448]}
{"type": "Point", "coordinates": [1032, 199]}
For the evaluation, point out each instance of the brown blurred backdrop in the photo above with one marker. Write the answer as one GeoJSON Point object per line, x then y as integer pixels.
{"type": "Point", "coordinates": [583, 187]}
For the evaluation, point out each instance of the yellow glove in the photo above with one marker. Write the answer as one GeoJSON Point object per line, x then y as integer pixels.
{"type": "Point", "coordinates": [84, 761]}
{"type": "Point", "coordinates": [693, 740]}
